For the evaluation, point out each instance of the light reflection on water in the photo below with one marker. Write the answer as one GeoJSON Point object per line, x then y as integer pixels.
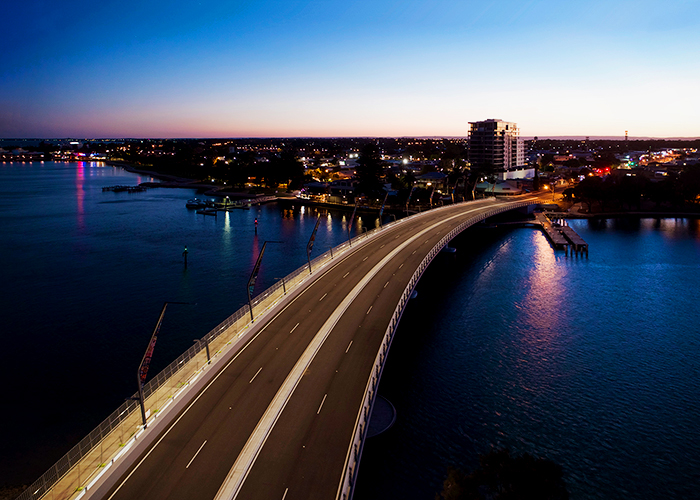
{"type": "Point", "coordinates": [86, 273]}
{"type": "Point", "coordinates": [592, 363]}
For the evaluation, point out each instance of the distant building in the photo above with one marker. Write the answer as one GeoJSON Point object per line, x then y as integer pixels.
{"type": "Point", "coordinates": [497, 143]}
{"type": "Point", "coordinates": [437, 179]}
{"type": "Point", "coordinates": [509, 187]}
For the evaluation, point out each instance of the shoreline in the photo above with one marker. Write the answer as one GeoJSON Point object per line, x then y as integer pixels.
{"type": "Point", "coordinates": [618, 215]}
{"type": "Point", "coordinates": [173, 181]}
{"type": "Point", "coordinates": [183, 182]}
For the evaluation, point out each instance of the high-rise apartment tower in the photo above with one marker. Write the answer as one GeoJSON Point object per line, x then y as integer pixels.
{"type": "Point", "coordinates": [495, 143]}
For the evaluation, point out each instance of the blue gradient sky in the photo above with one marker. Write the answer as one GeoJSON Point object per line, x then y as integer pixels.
{"type": "Point", "coordinates": [338, 68]}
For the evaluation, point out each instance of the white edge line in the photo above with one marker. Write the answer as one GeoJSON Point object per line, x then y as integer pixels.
{"type": "Point", "coordinates": [337, 263]}
{"type": "Point", "coordinates": [241, 468]}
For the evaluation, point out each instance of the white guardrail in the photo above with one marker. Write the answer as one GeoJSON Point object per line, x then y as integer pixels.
{"type": "Point", "coordinates": [352, 460]}
{"type": "Point", "coordinates": [75, 473]}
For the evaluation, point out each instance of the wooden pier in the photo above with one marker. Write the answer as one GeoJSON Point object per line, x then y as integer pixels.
{"type": "Point", "coordinates": [120, 188]}
{"type": "Point", "coordinates": [561, 236]}
{"type": "Point", "coordinates": [245, 204]}
{"type": "Point", "coordinates": [577, 243]}
{"type": "Point", "coordinates": [554, 235]}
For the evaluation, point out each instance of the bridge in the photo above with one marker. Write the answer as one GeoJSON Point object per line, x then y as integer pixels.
{"type": "Point", "coordinates": [281, 410]}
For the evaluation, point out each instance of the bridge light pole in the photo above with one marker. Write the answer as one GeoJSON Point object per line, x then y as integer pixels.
{"type": "Point", "coordinates": [381, 210]}
{"type": "Point", "coordinates": [310, 245]}
{"type": "Point", "coordinates": [352, 219]}
{"type": "Point", "coordinates": [284, 287]}
{"type": "Point", "coordinates": [408, 200]}
{"type": "Point", "coordinates": [142, 372]}
{"type": "Point", "coordinates": [254, 276]}
{"type": "Point", "coordinates": [206, 346]}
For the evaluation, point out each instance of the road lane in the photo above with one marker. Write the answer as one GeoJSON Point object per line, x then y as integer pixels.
{"type": "Point", "coordinates": [298, 433]}
{"type": "Point", "coordinates": [305, 451]}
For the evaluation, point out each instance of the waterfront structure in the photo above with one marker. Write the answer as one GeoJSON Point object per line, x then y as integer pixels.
{"type": "Point", "coordinates": [495, 143]}
{"type": "Point", "coordinates": [305, 418]}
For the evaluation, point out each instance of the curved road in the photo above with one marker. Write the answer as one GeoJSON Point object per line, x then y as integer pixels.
{"type": "Point", "coordinates": [278, 419]}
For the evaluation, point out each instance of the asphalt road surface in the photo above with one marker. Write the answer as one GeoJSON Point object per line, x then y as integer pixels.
{"type": "Point", "coordinates": [278, 420]}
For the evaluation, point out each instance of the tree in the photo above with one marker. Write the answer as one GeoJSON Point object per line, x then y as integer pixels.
{"type": "Point", "coordinates": [546, 162]}
{"type": "Point", "coordinates": [501, 476]}
{"type": "Point", "coordinates": [572, 163]}
{"type": "Point", "coordinates": [369, 170]}
{"type": "Point", "coordinates": [536, 179]}
{"type": "Point", "coordinates": [690, 183]}
{"type": "Point", "coordinates": [606, 159]}
{"type": "Point", "coordinates": [589, 190]}
{"type": "Point", "coordinates": [630, 191]}
{"type": "Point", "coordinates": [292, 168]}
{"type": "Point", "coordinates": [660, 192]}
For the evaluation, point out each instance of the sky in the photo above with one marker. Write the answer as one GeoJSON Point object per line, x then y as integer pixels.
{"type": "Point", "coordinates": [331, 68]}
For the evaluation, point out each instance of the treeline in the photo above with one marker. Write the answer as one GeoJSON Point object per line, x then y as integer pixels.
{"type": "Point", "coordinates": [270, 162]}
{"type": "Point", "coordinates": [622, 192]}
{"type": "Point", "coordinates": [612, 145]}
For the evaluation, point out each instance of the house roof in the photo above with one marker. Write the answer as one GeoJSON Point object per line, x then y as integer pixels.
{"type": "Point", "coordinates": [432, 176]}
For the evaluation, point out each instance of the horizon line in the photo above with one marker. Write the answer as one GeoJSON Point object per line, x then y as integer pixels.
{"type": "Point", "coordinates": [530, 137]}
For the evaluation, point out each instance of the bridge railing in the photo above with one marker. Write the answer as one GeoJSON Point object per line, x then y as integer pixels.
{"type": "Point", "coordinates": [352, 460]}
{"type": "Point", "coordinates": [74, 473]}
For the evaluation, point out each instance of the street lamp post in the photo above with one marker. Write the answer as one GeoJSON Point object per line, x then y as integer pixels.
{"type": "Point", "coordinates": [381, 210]}
{"type": "Point", "coordinates": [310, 245]}
{"type": "Point", "coordinates": [408, 200]}
{"type": "Point", "coordinates": [206, 346]}
{"type": "Point", "coordinates": [251, 281]}
{"type": "Point", "coordinates": [146, 360]}
{"type": "Point", "coordinates": [253, 276]}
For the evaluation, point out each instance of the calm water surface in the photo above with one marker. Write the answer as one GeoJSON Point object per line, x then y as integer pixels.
{"type": "Point", "coordinates": [593, 363]}
{"type": "Point", "coordinates": [85, 274]}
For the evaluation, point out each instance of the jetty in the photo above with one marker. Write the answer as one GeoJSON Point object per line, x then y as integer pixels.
{"type": "Point", "coordinates": [226, 206]}
{"type": "Point", "coordinates": [561, 236]}
{"type": "Point", "coordinates": [577, 243]}
{"type": "Point", "coordinates": [121, 188]}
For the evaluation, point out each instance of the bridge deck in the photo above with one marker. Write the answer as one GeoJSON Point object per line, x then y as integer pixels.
{"type": "Point", "coordinates": [278, 420]}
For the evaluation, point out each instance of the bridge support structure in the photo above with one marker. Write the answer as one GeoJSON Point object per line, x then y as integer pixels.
{"type": "Point", "coordinates": [352, 460]}
{"type": "Point", "coordinates": [86, 465]}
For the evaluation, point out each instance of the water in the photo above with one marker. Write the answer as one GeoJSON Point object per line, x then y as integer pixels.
{"type": "Point", "coordinates": [592, 363]}
{"type": "Point", "coordinates": [85, 274]}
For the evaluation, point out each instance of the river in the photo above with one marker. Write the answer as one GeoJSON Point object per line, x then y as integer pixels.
{"type": "Point", "coordinates": [592, 363]}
